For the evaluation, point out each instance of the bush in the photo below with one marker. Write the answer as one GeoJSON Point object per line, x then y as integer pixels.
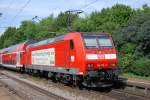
{"type": "Point", "coordinates": [141, 67]}
{"type": "Point", "coordinates": [126, 56]}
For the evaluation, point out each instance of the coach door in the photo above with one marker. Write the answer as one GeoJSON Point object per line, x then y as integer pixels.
{"type": "Point", "coordinates": [18, 58]}
{"type": "Point", "coordinates": [0, 59]}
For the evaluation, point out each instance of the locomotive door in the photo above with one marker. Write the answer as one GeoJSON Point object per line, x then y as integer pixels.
{"type": "Point", "coordinates": [72, 54]}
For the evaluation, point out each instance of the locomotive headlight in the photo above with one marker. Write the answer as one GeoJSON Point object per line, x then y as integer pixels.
{"type": "Point", "coordinates": [91, 56]}
{"type": "Point", "coordinates": [110, 56]}
{"type": "Point", "coordinates": [90, 66]}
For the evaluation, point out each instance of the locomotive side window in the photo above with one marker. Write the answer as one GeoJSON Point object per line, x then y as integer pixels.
{"type": "Point", "coordinates": [71, 45]}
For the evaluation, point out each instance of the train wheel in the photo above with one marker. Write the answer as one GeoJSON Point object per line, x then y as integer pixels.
{"type": "Point", "coordinates": [77, 81]}
{"type": "Point", "coordinates": [54, 78]}
{"type": "Point", "coordinates": [45, 74]}
{"type": "Point", "coordinates": [22, 69]}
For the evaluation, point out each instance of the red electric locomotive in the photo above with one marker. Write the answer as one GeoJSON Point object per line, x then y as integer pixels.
{"type": "Point", "coordinates": [88, 58]}
{"type": "Point", "coordinates": [77, 57]}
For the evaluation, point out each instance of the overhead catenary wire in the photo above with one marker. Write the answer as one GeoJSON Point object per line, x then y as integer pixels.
{"type": "Point", "coordinates": [86, 5]}
{"type": "Point", "coordinates": [68, 21]}
{"type": "Point", "coordinates": [21, 9]}
{"type": "Point", "coordinates": [1, 14]}
{"type": "Point", "coordinates": [8, 7]}
{"type": "Point", "coordinates": [36, 18]}
{"type": "Point", "coordinates": [5, 14]}
{"type": "Point", "coordinates": [4, 27]}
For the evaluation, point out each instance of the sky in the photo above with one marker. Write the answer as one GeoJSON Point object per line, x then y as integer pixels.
{"type": "Point", "coordinates": [15, 11]}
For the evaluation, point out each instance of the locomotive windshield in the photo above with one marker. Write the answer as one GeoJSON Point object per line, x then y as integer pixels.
{"type": "Point", "coordinates": [97, 41]}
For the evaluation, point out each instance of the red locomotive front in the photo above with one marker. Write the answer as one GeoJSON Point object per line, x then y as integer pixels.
{"type": "Point", "coordinates": [101, 59]}
{"type": "Point", "coordinates": [95, 56]}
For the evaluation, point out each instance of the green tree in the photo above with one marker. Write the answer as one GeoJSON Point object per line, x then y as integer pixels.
{"type": "Point", "coordinates": [133, 41]}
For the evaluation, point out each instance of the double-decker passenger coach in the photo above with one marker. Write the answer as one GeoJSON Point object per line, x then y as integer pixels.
{"type": "Point", "coordinates": [14, 56]}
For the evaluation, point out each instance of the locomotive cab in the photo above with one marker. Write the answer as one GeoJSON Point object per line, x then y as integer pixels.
{"type": "Point", "coordinates": [101, 59]}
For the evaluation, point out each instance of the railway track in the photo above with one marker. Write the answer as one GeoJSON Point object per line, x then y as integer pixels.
{"type": "Point", "coordinates": [124, 95]}
{"type": "Point", "coordinates": [128, 92]}
{"type": "Point", "coordinates": [131, 90]}
{"type": "Point", "coordinates": [7, 94]}
{"type": "Point", "coordinates": [29, 91]}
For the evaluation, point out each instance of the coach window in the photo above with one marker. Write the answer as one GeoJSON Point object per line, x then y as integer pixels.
{"type": "Point", "coordinates": [71, 45]}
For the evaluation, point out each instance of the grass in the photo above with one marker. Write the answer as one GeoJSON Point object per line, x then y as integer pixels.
{"type": "Point", "coordinates": [132, 76]}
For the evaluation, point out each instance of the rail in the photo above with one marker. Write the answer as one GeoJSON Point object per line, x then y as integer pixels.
{"type": "Point", "coordinates": [34, 86]}
{"type": "Point", "coordinates": [130, 90]}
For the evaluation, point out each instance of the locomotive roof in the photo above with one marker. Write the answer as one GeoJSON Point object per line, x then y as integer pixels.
{"type": "Point", "coordinates": [91, 33]}
{"type": "Point", "coordinates": [60, 38]}
{"type": "Point", "coordinates": [46, 41]}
